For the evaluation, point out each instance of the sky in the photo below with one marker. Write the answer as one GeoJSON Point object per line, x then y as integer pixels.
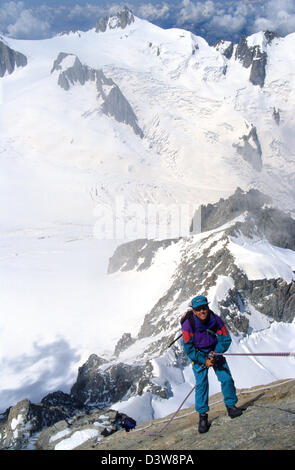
{"type": "Point", "coordinates": [211, 19]}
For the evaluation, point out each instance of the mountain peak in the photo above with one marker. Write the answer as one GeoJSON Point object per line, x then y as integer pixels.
{"type": "Point", "coordinates": [121, 19]}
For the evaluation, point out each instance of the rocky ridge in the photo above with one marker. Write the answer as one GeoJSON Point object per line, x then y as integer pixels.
{"type": "Point", "coordinates": [253, 57]}
{"type": "Point", "coordinates": [18, 423]}
{"type": "Point", "coordinates": [112, 101]}
{"type": "Point", "coordinates": [57, 417]}
{"type": "Point", "coordinates": [10, 59]}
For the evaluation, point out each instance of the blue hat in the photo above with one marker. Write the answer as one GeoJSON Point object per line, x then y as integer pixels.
{"type": "Point", "coordinates": [198, 301]}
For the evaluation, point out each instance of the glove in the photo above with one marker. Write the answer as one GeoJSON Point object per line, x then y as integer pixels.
{"type": "Point", "coordinates": [211, 360]}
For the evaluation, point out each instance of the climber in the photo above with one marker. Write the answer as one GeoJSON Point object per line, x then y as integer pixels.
{"type": "Point", "coordinates": [203, 334]}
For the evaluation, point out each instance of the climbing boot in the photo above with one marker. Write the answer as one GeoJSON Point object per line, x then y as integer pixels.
{"type": "Point", "coordinates": [234, 412]}
{"type": "Point", "coordinates": [203, 423]}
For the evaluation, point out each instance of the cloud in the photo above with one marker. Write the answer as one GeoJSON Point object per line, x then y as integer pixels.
{"type": "Point", "coordinates": [228, 23]}
{"type": "Point", "coordinates": [28, 26]}
{"type": "Point", "coordinates": [85, 11]}
{"type": "Point", "coordinates": [231, 19]}
{"type": "Point", "coordinates": [278, 15]}
{"type": "Point", "coordinates": [9, 12]}
{"type": "Point", "coordinates": [212, 19]}
{"type": "Point", "coordinates": [196, 11]}
{"type": "Point", "coordinates": [20, 22]}
{"type": "Point", "coordinates": [153, 12]}
{"type": "Point", "coordinates": [48, 368]}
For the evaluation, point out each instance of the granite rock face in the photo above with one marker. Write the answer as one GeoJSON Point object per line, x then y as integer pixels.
{"type": "Point", "coordinates": [137, 254]}
{"type": "Point", "coordinates": [20, 422]}
{"type": "Point", "coordinates": [101, 386]}
{"type": "Point", "coordinates": [45, 426]}
{"type": "Point", "coordinates": [120, 20]}
{"type": "Point", "coordinates": [226, 49]}
{"type": "Point", "coordinates": [258, 69]}
{"type": "Point", "coordinates": [10, 59]}
{"type": "Point", "coordinates": [263, 218]}
{"type": "Point", "coordinates": [250, 149]}
{"type": "Point", "coordinates": [217, 214]}
{"type": "Point", "coordinates": [73, 73]}
{"type": "Point", "coordinates": [124, 342]}
{"type": "Point", "coordinates": [252, 57]}
{"type": "Point", "coordinates": [112, 101]}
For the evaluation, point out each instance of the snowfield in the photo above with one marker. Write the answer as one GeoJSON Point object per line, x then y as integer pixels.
{"type": "Point", "coordinates": [61, 157]}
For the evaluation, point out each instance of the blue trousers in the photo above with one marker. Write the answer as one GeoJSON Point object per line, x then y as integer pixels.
{"type": "Point", "coordinates": [224, 376]}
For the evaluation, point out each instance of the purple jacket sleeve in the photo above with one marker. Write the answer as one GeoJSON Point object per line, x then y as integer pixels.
{"type": "Point", "coordinates": [223, 337]}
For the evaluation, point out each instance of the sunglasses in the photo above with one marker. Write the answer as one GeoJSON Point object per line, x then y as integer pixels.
{"type": "Point", "coordinates": [201, 307]}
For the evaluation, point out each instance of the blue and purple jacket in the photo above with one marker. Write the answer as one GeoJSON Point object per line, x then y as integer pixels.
{"type": "Point", "coordinates": [199, 343]}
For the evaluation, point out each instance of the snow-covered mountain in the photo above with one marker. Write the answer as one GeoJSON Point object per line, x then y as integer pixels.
{"type": "Point", "coordinates": [223, 112]}
{"type": "Point", "coordinates": [120, 118]}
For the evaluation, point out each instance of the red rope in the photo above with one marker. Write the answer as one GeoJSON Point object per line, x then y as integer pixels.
{"type": "Point", "coordinates": [257, 354]}
{"type": "Point", "coordinates": [173, 416]}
